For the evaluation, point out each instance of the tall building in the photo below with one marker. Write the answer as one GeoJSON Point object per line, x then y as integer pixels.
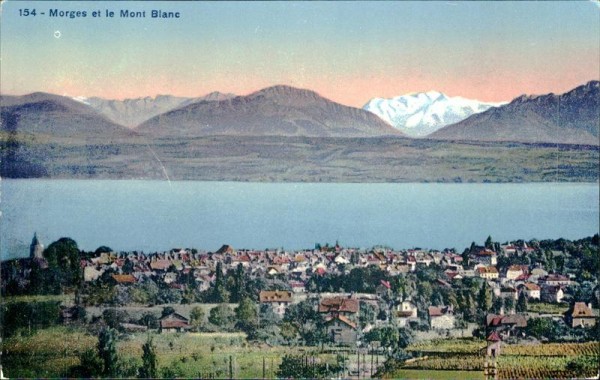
{"type": "Point", "coordinates": [36, 249]}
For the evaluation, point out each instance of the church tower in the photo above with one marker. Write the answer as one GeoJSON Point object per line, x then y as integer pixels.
{"type": "Point", "coordinates": [36, 249]}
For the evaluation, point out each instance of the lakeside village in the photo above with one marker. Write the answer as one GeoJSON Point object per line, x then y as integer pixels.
{"type": "Point", "coordinates": [534, 292]}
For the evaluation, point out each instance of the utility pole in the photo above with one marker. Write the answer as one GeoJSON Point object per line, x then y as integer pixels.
{"type": "Point", "coordinates": [230, 368]}
{"type": "Point", "coordinates": [371, 360]}
{"type": "Point", "coordinates": [358, 361]}
{"type": "Point", "coordinates": [264, 374]}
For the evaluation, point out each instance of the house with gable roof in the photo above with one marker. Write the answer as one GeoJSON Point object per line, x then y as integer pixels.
{"type": "Point", "coordinates": [341, 330]}
{"type": "Point", "coordinates": [580, 315]}
{"type": "Point", "coordinates": [174, 322]}
{"type": "Point", "coordinates": [279, 300]}
{"type": "Point", "coordinates": [441, 317]}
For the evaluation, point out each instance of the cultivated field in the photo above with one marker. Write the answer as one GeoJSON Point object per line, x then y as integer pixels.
{"type": "Point", "coordinates": [51, 352]}
{"type": "Point", "coordinates": [517, 361]}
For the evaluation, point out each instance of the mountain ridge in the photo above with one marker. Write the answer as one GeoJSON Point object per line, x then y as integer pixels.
{"type": "Point", "coordinates": [131, 112]}
{"type": "Point", "coordinates": [54, 115]}
{"type": "Point", "coordinates": [571, 117]}
{"type": "Point", "coordinates": [279, 110]}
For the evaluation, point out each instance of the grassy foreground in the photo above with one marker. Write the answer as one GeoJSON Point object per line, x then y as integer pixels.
{"type": "Point", "coordinates": [51, 352]}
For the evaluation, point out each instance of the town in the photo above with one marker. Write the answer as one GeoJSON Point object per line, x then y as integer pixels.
{"type": "Point", "coordinates": [385, 303]}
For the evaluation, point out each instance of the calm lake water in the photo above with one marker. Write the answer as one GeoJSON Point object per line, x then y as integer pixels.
{"type": "Point", "coordinates": [154, 215]}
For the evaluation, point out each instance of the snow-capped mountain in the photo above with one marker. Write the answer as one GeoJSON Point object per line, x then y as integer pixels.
{"type": "Point", "coordinates": [422, 113]}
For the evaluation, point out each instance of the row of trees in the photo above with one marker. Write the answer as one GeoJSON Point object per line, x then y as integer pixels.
{"type": "Point", "coordinates": [104, 361]}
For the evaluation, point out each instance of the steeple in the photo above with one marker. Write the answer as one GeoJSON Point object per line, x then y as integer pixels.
{"type": "Point", "coordinates": [36, 249]}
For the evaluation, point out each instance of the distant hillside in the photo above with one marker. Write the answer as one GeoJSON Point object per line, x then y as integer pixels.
{"type": "Point", "coordinates": [423, 113]}
{"type": "Point", "coordinates": [570, 118]}
{"type": "Point", "coordinates": [132, 112]}
{"type": "Point", "coordinates": [273, 111]}
{"type": "Point", "coordinates": [56, 116]}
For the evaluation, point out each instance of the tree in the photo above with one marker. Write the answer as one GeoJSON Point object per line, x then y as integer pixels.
{"type": "Point", "coordinates": [144, 292]}
{"type": "Point", "coordinates": [509, 304]}
{"type": "Point", "coordinates": [169, 295]}
{"type": "Point", "coordinates": [522, 303]}
{"type": "Point", "coordinates": [437, 299]}
{"type": "Point", "coordinates": [405, 337]}
{"type": "Point", "coordinates": [220, 315]}
{"type": "Point", "coordinates": [149, 320]}
{"type": "Point", "coordinates": [167, 310]}
{"type": "Point", "coordinates": [551, 262]}
{"type": "Point", "coordinates": [307, 320]}
{"type": "Point", "coordinates": [497, 305]}
{"type": "Point", "coordinates": [449, 296]}
{"type": "Point", "coordinates": [114, 317]}
{"type": "Point", "coordinates": [90, 365]}
{"type": "Point", "coordinates": [127, 266]}
{"type": "Point", "coordinates": [424, 290]}
{"type": "Point", "coordinates": [366, 314]}
{"type": "Point", "coordinates": [219, 292]}
{"type": "Point", "coordinates": [149, 366]}
{"type": "Point", "coordinates": [489, 244]}
{"type": "Point", "coordinates": [63, 255]}
{"type": "Point", "coordinates": [239, 286]}
{"type": "Point", "coordinates": [107, 351]}
{"type": "Point", "coordinates": [289, 332]}
{"type": "Point", "coordinates": [31, 315]}
{"type": "Point", "coordinates": [246, 315]}
{"type": "Point", "coordinates": [468, 308]}
{"type": "Point", "coordinates": [484, 298]}
{"type": "Point", "coordinates": [197, 317]}
{"type": "Point", "coordinates": [465, 257]}
{"type": "Point", "coordinates": [102, 249]}
{"type": "Point", "coordinates": [540, 328]}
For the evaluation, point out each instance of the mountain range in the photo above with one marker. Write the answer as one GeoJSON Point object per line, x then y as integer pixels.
{"type": "Point", "coordinates": [132, 112]}
{"type": "Point", "coordinates": [273, 111]}
{"type": "Point", "coordinates": [569, 118]}
{"type": "Point", "coordinates": [49, 115]}
{"type": "Point", "coordinates": [421, 114]}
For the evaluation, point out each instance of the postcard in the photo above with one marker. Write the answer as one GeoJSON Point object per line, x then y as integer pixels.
{"type": "Point", "coordinates": [291, 189]}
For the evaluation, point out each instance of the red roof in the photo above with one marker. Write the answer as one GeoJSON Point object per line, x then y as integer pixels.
{"type": "Point", "coordinates": [494, 337]}
{"type": "Point", "coordinates": [338, 304]}
{"type": "Point", "coordinates": [174, 320]}
{"type": "Point", "coordinates": [123, 278]}
{"type": "Point", "coordinates": [170, 324]}
{"type": "Point", "coordinates": [342, 319]}
{"type": "Point", "coordinates": [160, 264]}
{"type": "Point", "coordinates": [386, 284]}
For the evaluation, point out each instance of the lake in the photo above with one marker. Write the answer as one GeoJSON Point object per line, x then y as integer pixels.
{"type": "Point", "coordinates": [156, 215]}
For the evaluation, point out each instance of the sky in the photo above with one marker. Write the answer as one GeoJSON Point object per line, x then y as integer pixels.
{"type": "Point", "coordinates": [349, 52]}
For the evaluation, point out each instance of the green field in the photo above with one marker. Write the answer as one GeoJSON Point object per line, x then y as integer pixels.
{"type": "Point", "coordinates": [547, 308]}
{"type": "Point", "coordinates": [51, 352]}
{"type": "Point", "coordinates": [46, 353]}
{"type": "Point", "coordinates": [62, 298]}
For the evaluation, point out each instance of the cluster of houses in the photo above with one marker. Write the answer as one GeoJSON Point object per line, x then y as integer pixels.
{"type": "Point", "coordinates": [341, 310]}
